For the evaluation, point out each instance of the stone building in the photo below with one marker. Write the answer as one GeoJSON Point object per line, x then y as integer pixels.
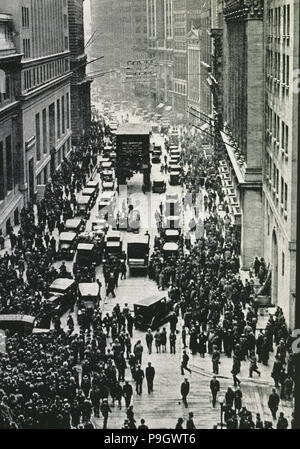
{"type": "Point", "coordinates": [280, 150]}
{"type": "Point", "coordinates": [80, 83]}
{"type": "Point", "coordinates": [11, 155]}
{"type": "Point", "coordinates": [193, 80]}
{"type": "Point", "coordinates": [243, 133]}
{"type": "Point", "coordinates": [41, 35]}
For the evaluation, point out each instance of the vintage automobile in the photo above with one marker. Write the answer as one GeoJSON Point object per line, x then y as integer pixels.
{"type": "Point", "coordinates": [95, 238]}
{"type": "Point", "coordinates": [107, 178]}
{"type": "Point", "coordinates": [158, 186]}
{"type": "Point", "coordinates": [172, 197]}
{"type": "Point", "coordinates": [99, 225]}
{"type": "Point", "coordinates": [17, 323]}
{"type": "Point", "coordinates": [88, 295]}
{"type": "Point", "coordinates": [62, 295]}
{"type": "Point", "coordinates": [173, 162]}
{"type": "Point", "coordinates": [172, 235]}
{"type": "Point", "coordinates": [66, 245]}
{"type": "Point", "coordinates": [84, 205]}
{"type": "Point", "coordinates": [174, 178]}
{"type": "Point", "coordinates": [93, 185]}
{"type": "Point", "coordinates": [152, 312]}
{"type": "Point", "coordinates": [76, 225]}
{"type": "Point", "coordinates": [172, 207]}
{"type": "Point", "coordinates": [113, 244]}
{"type": "Point", "coordinates": [138, 252]}
{"type": "Point", "coordinates": [172, 222]}
{"type": "Point", "coordinates": [85, 257]}
{"type": "Point", "coordinates": [156, 154]}
{"type": "Point", "coordinates": [91, 193]}
{"type": "Point", "coordinates": [170, 249]}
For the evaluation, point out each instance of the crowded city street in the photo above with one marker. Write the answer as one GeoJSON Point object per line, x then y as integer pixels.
{"type": "Point", "coordinates": [187, 311]}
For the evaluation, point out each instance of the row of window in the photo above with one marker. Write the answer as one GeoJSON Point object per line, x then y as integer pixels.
{"type": "Point", "coordinates": [279, 20]}
{"type": "Point", "coordinates": [36, 76]}
{"type": "Point", "coordinates": [6, 167]}
{"type": "Point", "coordinates": [278, 66]}
{"type": "Point", "coordinates": [25, 17]}
{"type": "Point", "coordinates": [280, 133]}
{"type": "Point", "coordinates": [180, 88]}
{"type": "Point", "coordinates": [280, 192]}
{"type": "Point", "coordinates": [45, 134]}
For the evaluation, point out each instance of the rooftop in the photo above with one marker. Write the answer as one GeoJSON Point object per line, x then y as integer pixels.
{"type": "Point", "coordinates": [134, 129]}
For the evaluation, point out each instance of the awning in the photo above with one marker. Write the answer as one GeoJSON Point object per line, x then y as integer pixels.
{"type": "Point", "coordinates": [160, 106]}
{"type": "Point", "coordinates": [232, 158]}
{"type": "Point", "coordinates": [168, 108]}
{"type": "Point", "coordinates": [204, 127]}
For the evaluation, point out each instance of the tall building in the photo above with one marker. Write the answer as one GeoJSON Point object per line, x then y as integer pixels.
{"type": "Point", "coordinates": [41, 34]}
{"type": "Point", "coordinates": [280, 151]}
{"type": "Point", "coordinates": [80, 83]}
{"type": "Point", "coordinates": [11, 155]}
{"type": "Point", "coordinates": [180, 56]}
{"type": "Point", "coordinates": [193, 80]}
{"type": "Point", "coordinates": [243, 133]}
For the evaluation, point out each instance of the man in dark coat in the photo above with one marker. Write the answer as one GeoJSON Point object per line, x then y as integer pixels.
{"type": "Point", "coordinates": [150, 374]}
{"type": "Point", "coordinates": [105, 410]}
{"type": "Point", "coordinates": [273, 403]}
{"type": "Point", "coordinates": [185, 359]}
{"type": "Point", "coordinates": [139, 377]}
{"type": "Point", "coordinates": [190, 422]}
{"type": "Point", "coordinates": [185, 389]}
{"type": "Point", "coordinates": [127, 393]}
{"type": "Point", "coordinates": [214, 388]}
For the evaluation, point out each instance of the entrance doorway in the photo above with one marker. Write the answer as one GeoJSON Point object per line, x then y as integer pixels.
{"type": "Point", "coordinates": [274, 291]}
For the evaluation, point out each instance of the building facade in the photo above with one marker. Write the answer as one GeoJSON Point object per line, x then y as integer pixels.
{"type": "Point", "coordinates": [11, 155]}
{"type": "Point", "coordinates": [193, 81]}
{"type": "Point", "coordinates": [80, 83]}
{"type": "Point", "coordinates": [41, 35]}
{"type": "Point", "coordinates": [281, 150]}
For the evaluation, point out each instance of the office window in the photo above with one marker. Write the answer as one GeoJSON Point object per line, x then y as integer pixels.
{"type": "Point", "coordinates": [6, 94]}
{"type": "Point", "coordinates": [25, 17]}
{"type": "Point", "coordinates": [281, 190]}
{"type": "Point", "coordinates": [277, 181]}
{"type": "Point", "coordinates": [44, 118]}
{"type": "Point", "coordinates": [287, 20]}
{"type": "Point", "coordinates": [52, 126]}
{"type": "Point", "coordinates": [63, 127]}
{"type": "Point", "coordinates": [286, 141]}
{"type": "Point", "coordinates": [65, 21]}
{"type": "Point", "coordinates": [282, 264]}
{"type": "Point", "coordinates": [66, 43]}
{"type": "Point", "coordinates": [9, 163]}
{"type": "Point", "coordinates": [26, 48]}
{"type": "Point", "coordinates": [58, 118]}
{"type": "Point", "coordinates": [38, 137]}
{"type": "Point", "coordinates": [285, 196]}
{"type": "Point", "coordinates": [68, 111]}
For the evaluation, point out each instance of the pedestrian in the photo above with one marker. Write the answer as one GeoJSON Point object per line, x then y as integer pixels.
{"type": "Point", "coordinates": [143, 425]}
{"type": "Point", "coordinates": [185, 389]}
{"type": "Point", "coordinates": [163, 340]}
{"type": "Point", "coordinates": [282, 422]}
{"type": "Point", "coordinates": [150, 374]}
{"type": "Point", "coordinates": [127, 393]}
{"type": "Point", "coordinates": [149, 340]}
{"type": "Point", "coordinates": [139, 377]}
{"type": "Point", "coordinates": [215, 360]}
{"type": "Point", "coordinates": [238, 395]}
{"type": "Point", "coordinates": [157, 341]}
{"type": "Point", "coordinates": [190, 422]}
{"type": "Point", "coordinates": [214, 388]}
{"type": "Point", "coordinates": [179, 424]}
{"type": "Point", "coordinates": [253, 365]}
{"type": "Point", "coordinates": [172, 339]}
{"type": "Point", "coordinates": [105, 410]}
{"type": "Point", "coordinates": [184, 363]}
{"type": "Point", "coordinates": [138, 351]}
{"type": "Point", "coordinates": [273, 403]}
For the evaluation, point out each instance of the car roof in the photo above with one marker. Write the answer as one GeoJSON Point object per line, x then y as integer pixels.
{"type": "Point", "coordinates": [137, 239]}
{"type": "Point", "coordinates": [89, 288]}
{"type": "Point", "coordinates": [83, 199]}
{"type": "Point", "coordinates": [67, 236]}
{"type": "Point", "coordinates": [61, 284]}
{"type": "Point", "coordinates": [73, 222]}
{"type": "Point", "coordinates": [149, 300]}
{"type": "Point", "coordinates": [170, 246]}
{"type": "Point", "coordinates": [85, 246]}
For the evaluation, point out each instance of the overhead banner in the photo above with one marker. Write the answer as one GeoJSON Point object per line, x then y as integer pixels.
{"type": "Point", "coordinates": [141, 69]}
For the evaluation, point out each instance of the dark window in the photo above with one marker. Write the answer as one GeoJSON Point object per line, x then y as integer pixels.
{"type": "Point", "coordinates": [37, 137]}
{"type": "Point", "coordinates": [1, 172]}
{"type": "Point", "coordinates": [9, 163]}
{"type": "Point", "coordinates": [44, 118]}
{"type": "Point", "coordinates": [25, 17]}
{"type": "Point", "coordinates": [58, 118]}
{"type": "Point", "coordinates": [63, 126]}
{"type": "Point", "coordinates": [68, 111]}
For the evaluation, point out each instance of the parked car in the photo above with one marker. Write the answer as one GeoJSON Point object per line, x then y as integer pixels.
{"type": "Point", "coordinates": [152, 312]}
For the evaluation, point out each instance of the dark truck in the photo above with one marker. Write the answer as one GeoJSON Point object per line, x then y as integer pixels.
{"type": "Point", "coordinates": [152, 312]}
{"type": "Point", "coordinates": [138, 252]}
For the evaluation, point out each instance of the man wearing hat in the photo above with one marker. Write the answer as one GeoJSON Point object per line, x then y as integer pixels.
{"type": "Point", "coordinates": [105, 410]}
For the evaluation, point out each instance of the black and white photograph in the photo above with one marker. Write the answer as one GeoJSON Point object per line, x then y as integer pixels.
{"type": "Point", "coordinates": [148, 217]}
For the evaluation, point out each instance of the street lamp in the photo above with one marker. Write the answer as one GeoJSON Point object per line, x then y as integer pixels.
{"type": "Point", "coordinates": [221, 402]}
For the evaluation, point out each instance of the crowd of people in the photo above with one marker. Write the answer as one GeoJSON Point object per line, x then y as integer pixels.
{"type": "Point", "coordinates": [59, 379]}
